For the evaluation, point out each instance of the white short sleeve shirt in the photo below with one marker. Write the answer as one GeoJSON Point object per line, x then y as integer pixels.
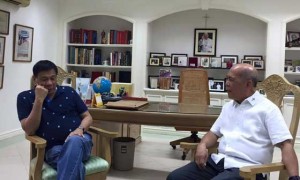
{"type": "Point", "coordinates": [249, 131]}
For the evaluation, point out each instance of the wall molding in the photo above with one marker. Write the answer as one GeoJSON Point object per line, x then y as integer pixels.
{"type": "Point", "coordinates": [10, 134]}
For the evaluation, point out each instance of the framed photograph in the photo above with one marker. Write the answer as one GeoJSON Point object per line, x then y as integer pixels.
{"type": "Point", "coordinates": [153, 82]}
{"type": "Point", "coordinates": [175, 82]}
{"type": "Point", "coordinates": [253, 57]}
{"type": "Point", "coordinates": [205, 42]}
{"type": "Point", "coordinates": [2, 49]}
{"type": "Point", "coordinates": [23, 41]}
{"type": "Point", "coordinates": [1, 76]}
{"type": "Point", "coordinates": [4, 22]}
{"type": "Point", "coordinates": [258, 64]}
{"type": "Point", "coordinates": [297, 69]}
{"type": "Point", "coordinates": [289, 69]}
{"type": "Point", "coordinates": [204, 61]}
{"type": "Point", "coordinates": [175, 58]}
{"type": "Point", "coordinates": [82, 85]}
{"type": "Point", "coordinates": [230, 60]}
{"type": "Point", "coordinates": [166, 61]}
{"type": "Point", "coordinates": [194, 61]}
{"type": "Point", "coordinates": [154, 62]}
{"type": "Point", "coordinates": [216, 85]}
{"type": "Point", "coordinates": [157, 55]}
{"type": "Point", "coordinates": [182, 61]}
{"type": "Point", "coordinates": [215, 62]}
{"type": "Point", "coordinates": [293, 39]}
{"type": "Point", "coordinates": [246, 61]}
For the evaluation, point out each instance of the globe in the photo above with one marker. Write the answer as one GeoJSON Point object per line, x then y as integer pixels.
{"type": "Point", "coordinates": [101, 85]}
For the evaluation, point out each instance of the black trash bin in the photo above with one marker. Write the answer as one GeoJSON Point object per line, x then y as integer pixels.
{"type": "Point", "coordinates": [123, 153]}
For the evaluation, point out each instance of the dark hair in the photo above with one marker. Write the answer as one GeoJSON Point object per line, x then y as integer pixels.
{"type": "Point", "coordinates": [43, 65]}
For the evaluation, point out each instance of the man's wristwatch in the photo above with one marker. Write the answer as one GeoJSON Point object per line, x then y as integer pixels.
{"type": "Point", "coordinates": [81, 127]}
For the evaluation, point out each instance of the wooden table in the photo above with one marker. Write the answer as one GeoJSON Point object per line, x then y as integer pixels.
{"type": "Point", "coordinates": [162, 114]}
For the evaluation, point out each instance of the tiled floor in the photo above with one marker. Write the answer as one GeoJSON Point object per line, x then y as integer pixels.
{"type": "Point", "coordinates": [154, 159]}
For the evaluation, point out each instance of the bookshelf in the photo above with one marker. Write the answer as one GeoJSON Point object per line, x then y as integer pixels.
{"type": "Point", "coordinates": [89, 55]}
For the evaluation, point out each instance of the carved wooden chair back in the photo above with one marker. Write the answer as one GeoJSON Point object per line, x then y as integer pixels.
{"type": "Point", "coordinates": [275, 88]}
{"type": "Point", "coordinates": [62, 75]}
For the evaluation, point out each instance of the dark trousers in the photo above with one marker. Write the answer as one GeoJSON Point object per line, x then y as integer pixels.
{"type": "Point", "coordinates": [212, 171]}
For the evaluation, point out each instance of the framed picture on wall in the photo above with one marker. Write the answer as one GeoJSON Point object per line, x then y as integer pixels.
{"type": "Point", "coordinates": [23, 41]}
{"type": "Point", "coordinates": [246, 61]}
{"type": "Point", "coordinates": [230, 60]}
{"type": "Point", "coordinates": [205, 42]}
{"type": "Point", "coordinates": [216, 62]}
{"type": "Point", "coordinates": [1, 76]}
{"type": "Point", "coordinates": [293, 39]}
{"type": "Point", "coordinates": [154, 62]}
{"type": "Point", "coordinates": [217, 85]}
{"type": "Point", "coordinates": [204, 61]}
{"type": "Point", "coordinates": [258, 64]}
{"type": "Point", "coordinates": [175, 58]}
{"type": "Point", "coordinates": [157, 55]}
{"type": "Point", "coordinates": [2, 49]}
{"type": "Point", "coordinates": [166, 61]}
{"type": "Point", "coordinates": [175, 82]}
{"type": "Point", "coordinates": [253, 57]}
{"type": "Point", "coordinates": [4, 22]}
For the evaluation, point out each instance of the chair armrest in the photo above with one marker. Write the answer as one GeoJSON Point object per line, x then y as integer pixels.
{"type": "Point", "coordinates": [103, 142]}
{"type": "Point", "coordinates": [193, 146]}
{"type": "Point", "coordinates": [249, 172]}
{"type": "Point", "coordinates": [37, 149]}
{"type": "Point", "coordinates": [37, 141]}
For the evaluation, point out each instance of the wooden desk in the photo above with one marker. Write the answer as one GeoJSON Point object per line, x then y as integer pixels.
{"type": "Point", "coordinates": [162, 114]}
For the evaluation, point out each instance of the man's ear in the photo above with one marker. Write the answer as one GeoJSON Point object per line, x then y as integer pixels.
{"type": "Point", "coordinates": [33, 81]}
{"type": "Point", "coordinates": [249, 83]}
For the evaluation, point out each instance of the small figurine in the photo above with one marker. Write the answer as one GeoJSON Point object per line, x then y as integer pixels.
{"type": "Point", "coordinates": [103, 38]}
{"type": "Point", "coordinates": [122, 92]}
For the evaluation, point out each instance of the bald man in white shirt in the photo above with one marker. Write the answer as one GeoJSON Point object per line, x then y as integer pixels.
{"type": "Point", "coordinates": [248, 127]}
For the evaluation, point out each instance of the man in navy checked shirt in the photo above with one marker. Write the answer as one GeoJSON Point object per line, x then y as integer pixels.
{"type": "Point", "coordinates": [57, 114]}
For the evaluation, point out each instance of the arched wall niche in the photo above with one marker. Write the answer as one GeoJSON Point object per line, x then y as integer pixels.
{"type": "Point", "coordinates": [237, 34]}
{"type": "Point", "coordinates": [235, 10]}
{"type": "Point", "coordinates": [96, 21]}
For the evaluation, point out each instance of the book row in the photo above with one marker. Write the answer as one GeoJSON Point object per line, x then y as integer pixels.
{"type": "Point", "coordinates": [86, 36]}
{"type": "Point", "coordinates": [93, 56]}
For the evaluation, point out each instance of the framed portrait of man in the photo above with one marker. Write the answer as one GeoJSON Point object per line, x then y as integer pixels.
{"type": "Point", "coordinates": [205, 42]}
{"type": "Point", "coordinates": [293, 39]}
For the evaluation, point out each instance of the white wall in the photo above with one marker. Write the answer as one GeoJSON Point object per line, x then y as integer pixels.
{"type": "Point", "coordinates": [237, 34]}
{"type": "Point", "coordinates": [42, 15]}
{"type": "Point", "coordinates": [49, 19]}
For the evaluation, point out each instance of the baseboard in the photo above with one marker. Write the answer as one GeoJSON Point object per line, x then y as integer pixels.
{"type": "Point", "coordinates": [10, 134]}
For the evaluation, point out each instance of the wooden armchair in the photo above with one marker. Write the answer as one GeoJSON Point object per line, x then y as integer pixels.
{"type": "Point", "coordinates": [96, 167]}
{"type": "Point", "coordinates": [275, 88]}
{"type": "Point", "coordinates": [193, 89]}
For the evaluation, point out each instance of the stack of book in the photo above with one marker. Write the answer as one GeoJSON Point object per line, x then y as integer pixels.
{"type": "Point", "coordinates": [83, 36]}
